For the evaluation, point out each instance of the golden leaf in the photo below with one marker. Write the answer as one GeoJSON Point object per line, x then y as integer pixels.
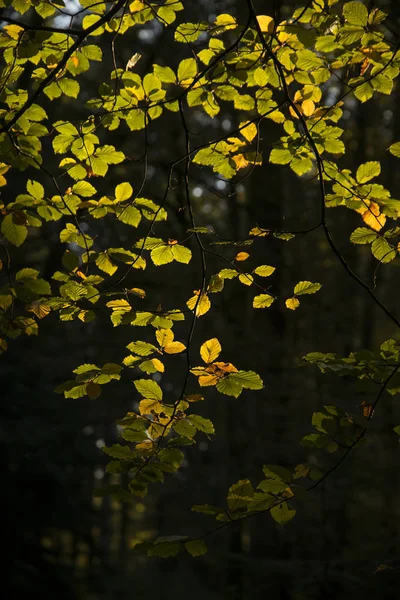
{"type": "Point", "coordinates": [138, 292]}
{"type": "Point", "coordinates": [367, 409]}
{"type": "Point", "coordinates": [164, 337]}
{"type": "Point", "coordinates": [240, 161]}
{"type": "Point", "coordinates": [242, 256]}
{"type": "Point", "coordinates": [308, 107]}
{"type": "Point", "coordinates": [202, 306]}
{"type": "Point", "coordinates": [292, 303]}
{"type": "Point", "coordinates": [208, 380]}
{"type": "Point", "coordinates": [147, 407]}
{"type": "Point", "coordinates": [224, 368]}
{"type": "Point", "coordinates": [267, 24]}
{"type": "Point", "coordinates": [210, 350]}
{"type": "Point", "coordinates": [248, 131]}
{"type": "Point", "coordinates": [39, 310]}
{"type": "Point", "coordinates": [174, 348]}
{"type": "Point", "coordinates": [158, 365]}
{"type": "Point", "coordinates": [373, 217]}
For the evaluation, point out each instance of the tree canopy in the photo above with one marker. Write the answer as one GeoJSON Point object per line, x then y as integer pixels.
{"type": "Point", "coordinates": [104, 153]}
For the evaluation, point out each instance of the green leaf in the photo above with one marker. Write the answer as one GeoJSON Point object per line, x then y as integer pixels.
{"type": "Point", "coordinates": [277, 472]}
{"type": "Point", "coordinates": [162, 255]}
{"type": "Point", "coordinates": [239, 494]}
{"type": "Point", "coordinates": [368, 171]}
{"type": "Point", "coordinates": [247, 379]}
{"type": "Point", "coordinates": [207, 509]}
{"type": "Point", "coordinates": [282, 513]}
{"type": "Point", "coordinates": [104, 263]}
{"type": "Point", "coordinates": [130, 216]}
{"type": "Point", "coordinates": [142, 348]}
{"type": "Point", "coordinates": [324, 423]}
{"type": "Point", "coordinates": [184, 428]}
{"type": "Point", "coordinates": [26, 273]}
{"type": "Point", "coordinates": [35, 189]}
{"type": "Point", "coordinates": [301, 165]}
{"type": "Point", "coordinates": [69, 87]}
{"type": "Point", "coordinates": [229, 387]}
{"type": "Point", "coordinates": [202, 424]}
{"type": "Point", "coordinates": [149, 389]}
{"type": "Point", "coordinates": [355, 13]}
{"type": "Point", "coordinates": [15, 234]}
{"type": "Point", "coordinates": [189, 32]}
{"type": "Point", "coordinates": [280, 156]}
{"type": "Point", "coordinates": [364, 92]}
{"type": "Point", "coordinates": [181, 253]}
{"type": "Point", "coordinates": [84, 188]}
{"type": "Point", "coordinates": [196, 547]}
{"type": "Point", "coordinates": [164, 549]}
{"type": "Point", "coordinates": [164, 74]}
{"type": "Point", "coordinates": [119, 452]}
{"type": "Point", "coordinates": [362, 235]}
{"type": "Point", "coordinates": [91, 51]}
{"type": "Point", "coordinates": [187, 69]}
{"type": "Point", "coordinates": [306, 287]}
{"type": "Point", "coordinates": [382, 250]}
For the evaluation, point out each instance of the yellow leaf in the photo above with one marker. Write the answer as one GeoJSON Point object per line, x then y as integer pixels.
{"type": "Point", "coordinates": [156, 430]}
{"type": "Point", "coordinates": [194, 398]}
{"type": "Point", "coordinates": [292, 303]}
{"type": "Point", "coordinates": [147, 406]}
{"type": "Point", "coordinates": [257, 231]}
{"type": "Point", "coordinates": [266, 23]}
{"type": "Point", "coordinates": [174, 348]}
{"type": "Point", "coordinates": [203, 305]}
{"type": "Point", "coordinates": [164, 337]}
{"type": "Point", "coordinates": [136, 6]}
{"type": "Point", "coordinates": [263, 301]}
{"type": "Point", "coordinates": [308, 107]}
{"type": "Point", "coordinates": [205, 380]}
{"type": "Point", "coordinates": [225, 367]}
{"type": "Point", "coordinates": [13, 30]}
{"type": "Point", "coordinates": [39, 310]}
{"type": "Point", "coordinates": [210, 350]}
{"type": "Point", "coordinates": [145, 446]}
{"type": "Point", "coordinates": [138, 292]}
{"type": "Point", "coordinates": [240, 161]}
{"type": "Point", "coordinates": [242, 256]}
{"type": "Point", "coordinates": [246, 278]}
{"type": "Point", "coordinates": [373, 217]}
{"type": "Point", "coordinates": [248, 131]}
{"type": "Point", "coordinates": [158, 365]}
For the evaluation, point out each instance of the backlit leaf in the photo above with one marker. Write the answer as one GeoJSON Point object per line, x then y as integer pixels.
{"type": "Point", "coordinates": [292, 303]}
{"type": "Point", "coordinates": [210, 350]}
{"type": "Point", "coordinates": [263, 301]}
{"type": "Point", "coordinates": [148, 389]}
{"type": "Point", "coordinates": [196, 547]}
{"type": "Point", "coordinates": [306, 287]}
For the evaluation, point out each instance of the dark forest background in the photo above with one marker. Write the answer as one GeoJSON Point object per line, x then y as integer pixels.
{"type": "Point", "coordinates": [58, 541]}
